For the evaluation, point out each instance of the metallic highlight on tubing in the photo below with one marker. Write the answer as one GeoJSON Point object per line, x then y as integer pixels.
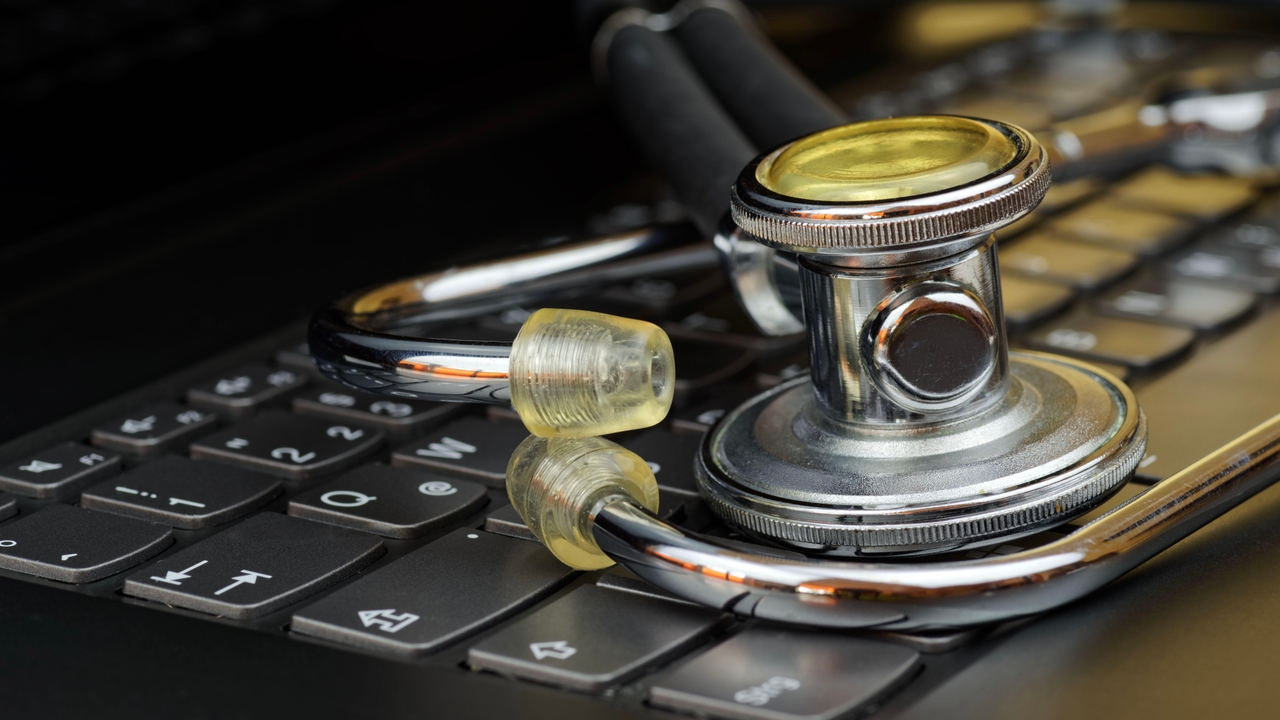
{"type": "Point", "coordinates": [358, 340]}
{"type": "Point", "coordinates": [766, 282]}
{"type": "Point", "coordinates": [922, 596]}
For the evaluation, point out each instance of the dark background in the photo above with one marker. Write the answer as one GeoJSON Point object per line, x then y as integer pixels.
{"type": "Point", "coordinates": [180, 176]}
{"type": "Point", "coordinates": [221, 178]}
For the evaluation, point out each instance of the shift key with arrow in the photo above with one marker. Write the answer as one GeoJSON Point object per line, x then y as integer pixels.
{"type": "Point", "coordinates": [257, 567]}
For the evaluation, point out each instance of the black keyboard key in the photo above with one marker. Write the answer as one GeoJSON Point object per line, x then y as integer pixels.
{"type": "Point", "coordinates": [388, 501]}
{"type": "Point", "coordinates": [290, 446]}
{"type": "Point", "coordinates": [670, 456]}
{"type": "Point", "coordinates": [664, 295]}
{"type": "Point", "coordinates": [454, 587]}
{"type": "Point", "coordinates": [699, 418]}
{"type": "Point", "coordinates": [74, 545]}
{"type": "Point", "coordinates": [778, 674]}
{"type": "Point", "coordinates": [397, 415]}
{"type": "Point", "coordinates": [254, 568]}
{"type": "Point", "coordinates": [245, 389]}
{"type": "Point", "coordinates": [775, 373]}
{"type": "Point", "coordinates": [1206, 197]}
{"type": "Point", "coordinates": [8, 506]}
{"type": "Point", "coordinates": [59, 472]}
{"type": "Point", "coordinates": [1028, 302]}
{"type": "Point", "coordinates": [183, 493]}
{"type": "Point", "coordinates": [593, 638]}
{"type": "Point", "coordinates": [722, 321]}
{"type": "Point", "coordinates": [1084, 267]}
{"type": "Point", "coordinates": [1124, 228]}
{"type": "Point", "coordinates": [471, 447]}
{"type": "Point", "coordinates": [619, 579]}
{"type": "Point", "coordinates": [701, 365]}
{"type": "Point", "coordinates": [506, 521]}
{"type": "Point", "coordinates": [1241, 268]}
{"type": "Point", "coordinates": [1138, 345]}
{"type": "Point", "coordinates": [1063, 195]}
{"type": "Point", "coordinates": [297, 357]}
{"type": "Point", "coordinates": [1176, 302]}
{"type": "Point", "coordinates": [1250, 235]}
{"type": "Point", "coordinates": [154, 429]}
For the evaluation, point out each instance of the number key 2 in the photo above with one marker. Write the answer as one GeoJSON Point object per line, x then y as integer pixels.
{"type": "Point", "coordinates": [290, 446]}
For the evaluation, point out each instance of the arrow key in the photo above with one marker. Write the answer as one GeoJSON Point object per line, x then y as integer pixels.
{"type": "Point", "coordinates": [183, 493]}
{"type": "Point", "coordinates": [593, 638]}
{"type": "Point", "coordinates": [73, 545]}
{"type": "Point", "coordinates": [256, 567]}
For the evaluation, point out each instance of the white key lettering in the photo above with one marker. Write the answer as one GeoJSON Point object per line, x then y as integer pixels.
{"type": "Point", "coordinates": [293, 454]}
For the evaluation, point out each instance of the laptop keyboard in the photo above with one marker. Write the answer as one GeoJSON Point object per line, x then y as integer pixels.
{"type": "Point", "coordinates": [260, 494]}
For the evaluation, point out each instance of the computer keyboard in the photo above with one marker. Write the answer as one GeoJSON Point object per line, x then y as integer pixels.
{"type": "Point", "coordinates": [253, 492]}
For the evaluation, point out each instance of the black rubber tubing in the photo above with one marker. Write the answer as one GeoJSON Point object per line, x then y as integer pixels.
{"type": "Point", "coordinates": [684, 131]}
{"type": "Point", "coordinates": [770, 99]}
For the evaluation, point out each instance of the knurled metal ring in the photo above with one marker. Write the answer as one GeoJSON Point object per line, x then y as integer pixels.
{"type": "Point", "coordinates": [807, 226]}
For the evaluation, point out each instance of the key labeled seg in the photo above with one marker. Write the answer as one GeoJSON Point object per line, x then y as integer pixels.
{"type": "Point", "coordinates": [290, 446]}
{"type": "Point", "coordinates": [765, 673]}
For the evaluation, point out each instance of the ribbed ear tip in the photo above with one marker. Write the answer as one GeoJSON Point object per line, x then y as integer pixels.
{"type": "Point", "coordinates": [580, 374]}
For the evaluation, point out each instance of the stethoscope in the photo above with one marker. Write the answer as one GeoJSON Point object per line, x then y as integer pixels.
{"type": "Point", "coordinates": [875, 272]}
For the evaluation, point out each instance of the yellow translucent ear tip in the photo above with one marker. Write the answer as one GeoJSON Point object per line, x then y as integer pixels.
{"type": "Point", "coordinates": [578, 374]}
{"type": "Point", "coordinates": [555, 484]}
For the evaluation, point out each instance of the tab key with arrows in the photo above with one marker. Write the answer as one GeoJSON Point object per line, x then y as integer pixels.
{"type": "Point", "coordinates": [256, 567]}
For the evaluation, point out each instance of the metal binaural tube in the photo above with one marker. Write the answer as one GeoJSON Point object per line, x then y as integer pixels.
{"type": "Point", "coordinates": [922, 596]}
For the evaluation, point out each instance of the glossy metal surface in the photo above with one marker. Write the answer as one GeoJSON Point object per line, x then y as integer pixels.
{"type": "Point", "coordinates": [931, 347]}
{"type": "Point", "coordinates": [1060, 441]}
{"type": "Point", "coordinates": [920, 596]}
{"type": "Point", "coordinates": [765, 281]}
{"type": "Point", "coordinates": [842, 306]}
{"type": "Point", "coordinates": [367, 339]}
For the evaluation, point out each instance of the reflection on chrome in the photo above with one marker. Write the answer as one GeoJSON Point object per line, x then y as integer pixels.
{"type": "Point", "coordinates": [922, 596]}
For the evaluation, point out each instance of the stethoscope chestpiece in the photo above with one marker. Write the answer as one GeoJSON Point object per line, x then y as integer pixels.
{"type": "Point", "coordinates": [917, 431]}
